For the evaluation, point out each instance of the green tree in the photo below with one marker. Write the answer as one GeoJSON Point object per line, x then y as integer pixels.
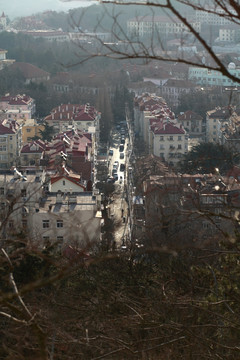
{"type": "Point", "coordinates": [121, 98]}
{"type": "Point", "coordinates": [206, 157]}
{"type": "Point", "coordinates": [48, 132]}
{"type": "Point", "coordinates": [103, 105]}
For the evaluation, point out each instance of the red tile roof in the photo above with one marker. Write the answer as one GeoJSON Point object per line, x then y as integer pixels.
{"type": "Point", "coordinates": [37, 146]}
{"type": "Point", "coordinates": [4, 130]}
{"type": "Point", "coordinates": [30, 71]}
{"type": "Point", "coordinates": [166, 128]}
{"type": "Point", "coordinates": [70, 178]}
{"type": "Point", "coordinates": [189, 115]}
{"type": "Point", "coordinates": [16, 99]}
{"type": "Point", "coordinates": [69, 111]}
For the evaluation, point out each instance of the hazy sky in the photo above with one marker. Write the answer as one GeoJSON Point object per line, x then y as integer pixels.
{"type": "Point", "coordinates": [15, 8]}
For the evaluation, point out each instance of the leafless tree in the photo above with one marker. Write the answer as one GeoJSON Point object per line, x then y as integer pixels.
{"type": "Point", "coordinates": [125, 46]}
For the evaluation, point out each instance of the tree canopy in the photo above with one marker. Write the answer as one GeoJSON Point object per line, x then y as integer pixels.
{"type": "Point", "coordinates": [206, 157]}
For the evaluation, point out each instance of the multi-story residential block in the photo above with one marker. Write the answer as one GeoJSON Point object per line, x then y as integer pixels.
{"type": "Point", "coordinates": [163, 136]}
{"type": "Point", "coordinates": [172, 89]}
{"type": "Point", "coordinates": [49, 35]}
{"type": "Point", "coordinates": [31, 154]}
{"type": "Point", "coordinates": [190, 210]}
{"type": "Point", "coordinates": [66, 116]}
{"type": "Point", "coordinates": [48, 218]}
{"type": "Point", "coordinates": [214, 121]}
{"type": "Point", "coordinates": [168, 140]}
{"type": "Point", "coordinates": [142, 105]}
{"type": "Point", "coordinates": [75, 149]}
{"type": "Point", "coordinates": [10, 143]}
{"type": "Point", "coordinates": [150, 25]}
{"type": "Point", "coordinates": [18, 107]}
{"type": "Point", "coordinates": [206, 77]}
{"type": "Point", "coordinates": [86, 37]}
{"type": "Point", "coordinates": [229, 33]}
{"type": "Point", "coordinates": [192, 123]}
{"type": "Point", "coordinates": [230, 133]}
{"type": "Point", "coordinates": [31, 129]}
{"type": "Point", "coordinates": [214, 16]}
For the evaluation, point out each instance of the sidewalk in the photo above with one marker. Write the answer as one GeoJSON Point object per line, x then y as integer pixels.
{"type": "Point", "coordinates": [119, 213]}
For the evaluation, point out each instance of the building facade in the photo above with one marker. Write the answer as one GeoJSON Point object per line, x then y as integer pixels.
{"type": "Point", "coordinates": [207, 77]}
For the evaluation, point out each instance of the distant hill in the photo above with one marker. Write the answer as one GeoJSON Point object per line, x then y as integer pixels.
{"type": "Point", "coordinates": [100, 17]}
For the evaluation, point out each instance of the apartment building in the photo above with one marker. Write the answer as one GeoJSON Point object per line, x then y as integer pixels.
{"type": "Point", "coordinates": [81, 117]}
{"type": "Point", "coordinates": [18, 107]}
{"type": "Point", "coordinates": [48, 218]}
{"type": "Point", "coordinates": [193, 123]}
{"type": "Point", "coordinates": [168, 140]}
{"type": "Point", "coordinates": [214, 16]}
{"type": "Point", "coordinates": [214, 121]}
{"type": "Point", "coordinates": [150, 25]}
{"type": "Point", "coordinates": [207, 77]}
{"type": "Point", "coordinates": [10, 144]}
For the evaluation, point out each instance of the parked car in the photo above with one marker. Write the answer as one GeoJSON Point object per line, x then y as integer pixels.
{"type": "Point", "coordinates": [121, 148]}
{"type": "Point", "coordinates": [114, 171]}
{"type": "Point", "coordinates": [110, 180]}
{"type": "Point", "coordinates": [122, 167]}
{"type": "Point", "coordinates": [116, 163]}
{"type": "Point", "coordinates": [115, 176]}
{"type": "Point", "coordinates": [121, 155]}
{"type": "Point", "coordinates": [110, 153]}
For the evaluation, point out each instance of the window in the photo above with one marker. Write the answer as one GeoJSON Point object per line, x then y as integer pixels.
{"type": "Point", "coordinates": [23, 193]}
{"type": "Point", "coordinates": [3, 148]}
{"type": "Point", "coordinates": [11, 224]}
{"type": "Point", "coordinates": [10, 137]}
{"type": "Point", "coordinates": [171, 138]}
{"type": "Point", "coordinates": [28, 130]}
{"type": "Point", "coordinates": [179, 146]}
{"type": "Point", "coordinates": [161, 147]}
{"type": "Point", "coordinates": [161, 138]}
{"type": "Point", "coordinates": [59, 238]}
{"type": "Point", "coordinates": [205, 225]}
{"type": "Point", "coordinates": [59, 223]}
{"type": "Point", "coordinates": [1, 190]}
{"type": "Point", "coordinates": [63, 182]}
{"type": "Point", "coordinates": [179, 138]}
{"type": "Point", "coordinates": [45, 224]}
{"type": "Point", "coordinates": [24, 223]}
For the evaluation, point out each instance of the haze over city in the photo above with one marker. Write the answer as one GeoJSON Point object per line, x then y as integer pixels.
{"type": "Point", "coordinates": [16, 8]}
